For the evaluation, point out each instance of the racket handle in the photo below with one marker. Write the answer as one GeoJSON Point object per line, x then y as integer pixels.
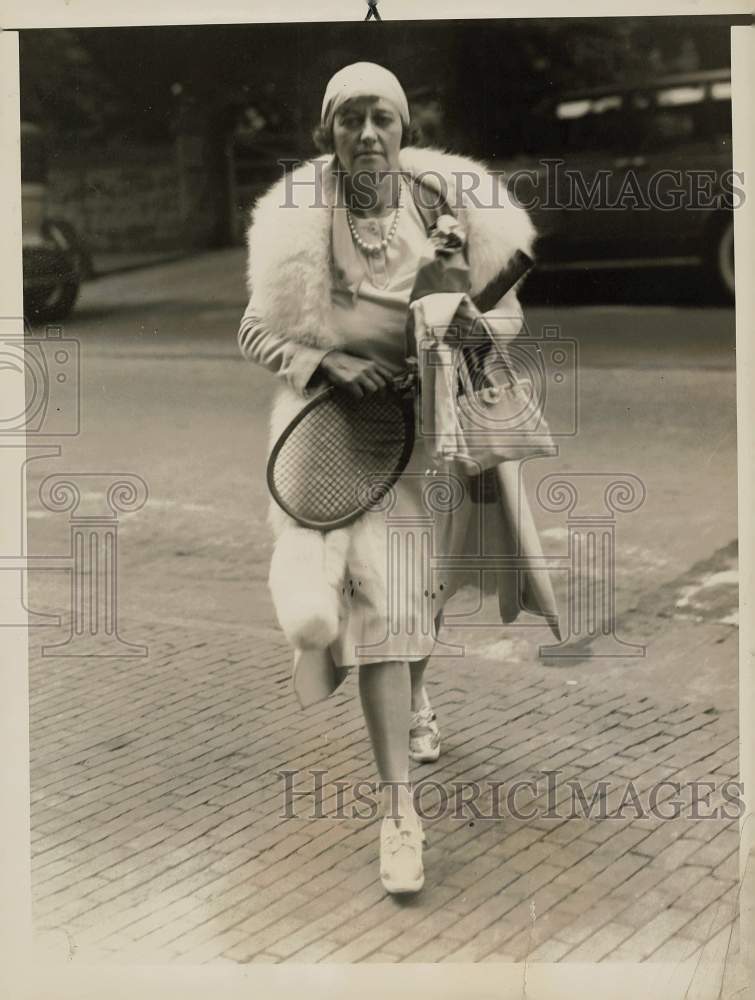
{"type": "Point", "coordinates": [516, 268]}
{"type": "Point", "coordinates": [405, 380]}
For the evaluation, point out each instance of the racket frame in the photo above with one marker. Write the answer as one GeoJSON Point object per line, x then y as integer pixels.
{"type": "Point", "coordinates": [404, 386]}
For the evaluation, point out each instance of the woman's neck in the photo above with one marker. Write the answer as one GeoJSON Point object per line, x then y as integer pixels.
{"type": "Point", "coordinates": [372, 195]}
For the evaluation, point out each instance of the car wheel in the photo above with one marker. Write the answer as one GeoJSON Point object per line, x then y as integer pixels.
{"type": "Point", "coordinates": [61, 232]}
{"type": "Point", "coordinates": [57, 304]}
{"type": "Point", "coordinates": [720, 260]}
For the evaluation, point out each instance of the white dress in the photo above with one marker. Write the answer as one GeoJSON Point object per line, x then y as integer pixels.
{"type": "Point", "coordinates": [394, 590]}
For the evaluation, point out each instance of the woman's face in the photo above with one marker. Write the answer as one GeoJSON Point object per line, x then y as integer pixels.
{"type": "Point", "coordinates": [367, 135]}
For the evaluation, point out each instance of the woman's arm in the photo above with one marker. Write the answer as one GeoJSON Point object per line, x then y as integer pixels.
{"type": "Point", "coordinates": [298, 364]}
{"type": "Point", "coordinates": [307, 369]}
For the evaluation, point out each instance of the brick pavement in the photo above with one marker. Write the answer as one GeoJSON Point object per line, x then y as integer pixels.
{"type": "Point", "coordinates": [159, 832]}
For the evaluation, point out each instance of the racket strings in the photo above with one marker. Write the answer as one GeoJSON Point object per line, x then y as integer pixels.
{"type": "Point", "coordinates": [340, 456]}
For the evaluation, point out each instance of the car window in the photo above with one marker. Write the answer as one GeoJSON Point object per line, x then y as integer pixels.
{"type": "Point", "coordinates": [594, 132]}
{"type": "Point", "coordinates": [574, 126]}
{"type": "Point", "coordinates": [639, 120]}
{"type": "Point", "coordinates": [672, 97]}
{"type": "Point", "coordinates": [591, 124]}
{"type": "Point", "coordinates": [668, 127]}
{"type": "Point", "coordinates": [677, 116]}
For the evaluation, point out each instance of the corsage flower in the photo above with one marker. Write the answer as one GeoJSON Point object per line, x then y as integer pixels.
{"type": "Point", "coordinates": [447, 234]}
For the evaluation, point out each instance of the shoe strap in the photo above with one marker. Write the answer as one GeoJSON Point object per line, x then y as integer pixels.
{"type": "Point", "coordinates": [403, 836]}
{"type": "Point", "coordinates": [424, 717]}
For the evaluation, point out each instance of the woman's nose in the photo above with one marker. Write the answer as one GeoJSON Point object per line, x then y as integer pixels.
{"type": "Point", "coordinates": [368, 129]}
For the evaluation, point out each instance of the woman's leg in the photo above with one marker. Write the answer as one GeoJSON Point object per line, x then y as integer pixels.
{"type": "Point", "coordinates": [417, 675]}
{"type": "Point", "coordinates": [417, 671]}
{"type": "Point", "coordinates": [385, 692]}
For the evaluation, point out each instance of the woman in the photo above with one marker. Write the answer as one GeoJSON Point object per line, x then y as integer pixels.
{"type": "Point", "coordinates": [333, 252]}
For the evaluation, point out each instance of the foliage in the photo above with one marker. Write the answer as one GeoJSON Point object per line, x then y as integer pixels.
{"type": "Point", "coordinates": [120, 83]}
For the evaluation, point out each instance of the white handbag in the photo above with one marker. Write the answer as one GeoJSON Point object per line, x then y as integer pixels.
{"type": "Point", "coordinates": [472, 408]}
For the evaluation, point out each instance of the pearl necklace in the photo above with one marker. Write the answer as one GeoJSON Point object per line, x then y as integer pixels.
{"type": "Point", "coordinates": [373, 249]}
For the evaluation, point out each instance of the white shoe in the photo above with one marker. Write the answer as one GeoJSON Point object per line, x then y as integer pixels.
{"type": "Point", "coordinates": [401, 855]}
{"type": "Point", "coordinates": [424, 735]}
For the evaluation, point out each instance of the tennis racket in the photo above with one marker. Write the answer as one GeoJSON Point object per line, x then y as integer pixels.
{"type": "Point", "coordinates": [339, 456]}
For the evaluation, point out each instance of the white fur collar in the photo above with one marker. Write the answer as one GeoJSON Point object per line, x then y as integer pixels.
{"type": "Point", "coordinates": [289, 259]}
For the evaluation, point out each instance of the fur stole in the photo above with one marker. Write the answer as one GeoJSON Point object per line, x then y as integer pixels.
{"type": "Point", "coordinates": [289, 261]}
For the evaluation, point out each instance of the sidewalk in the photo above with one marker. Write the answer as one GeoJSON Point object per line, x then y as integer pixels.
{"type": "Point", "coordinates": [158, 832]}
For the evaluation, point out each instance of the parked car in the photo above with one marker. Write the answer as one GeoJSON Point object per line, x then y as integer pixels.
{"type": "Point", "coordinates": [54, 257]}
{"type": "Point", "coordinates": [635, 176]}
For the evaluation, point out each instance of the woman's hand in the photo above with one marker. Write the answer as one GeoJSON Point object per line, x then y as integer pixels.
{"type": "Point", "coordinates": [359, 376]}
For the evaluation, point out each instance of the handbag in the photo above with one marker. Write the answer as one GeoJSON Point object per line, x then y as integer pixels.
{"type": "Point", "coordinates": [474, 409]}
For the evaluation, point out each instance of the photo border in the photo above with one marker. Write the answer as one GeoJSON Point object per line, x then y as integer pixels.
{"type": "Point", "coordinates": [483, 980]}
